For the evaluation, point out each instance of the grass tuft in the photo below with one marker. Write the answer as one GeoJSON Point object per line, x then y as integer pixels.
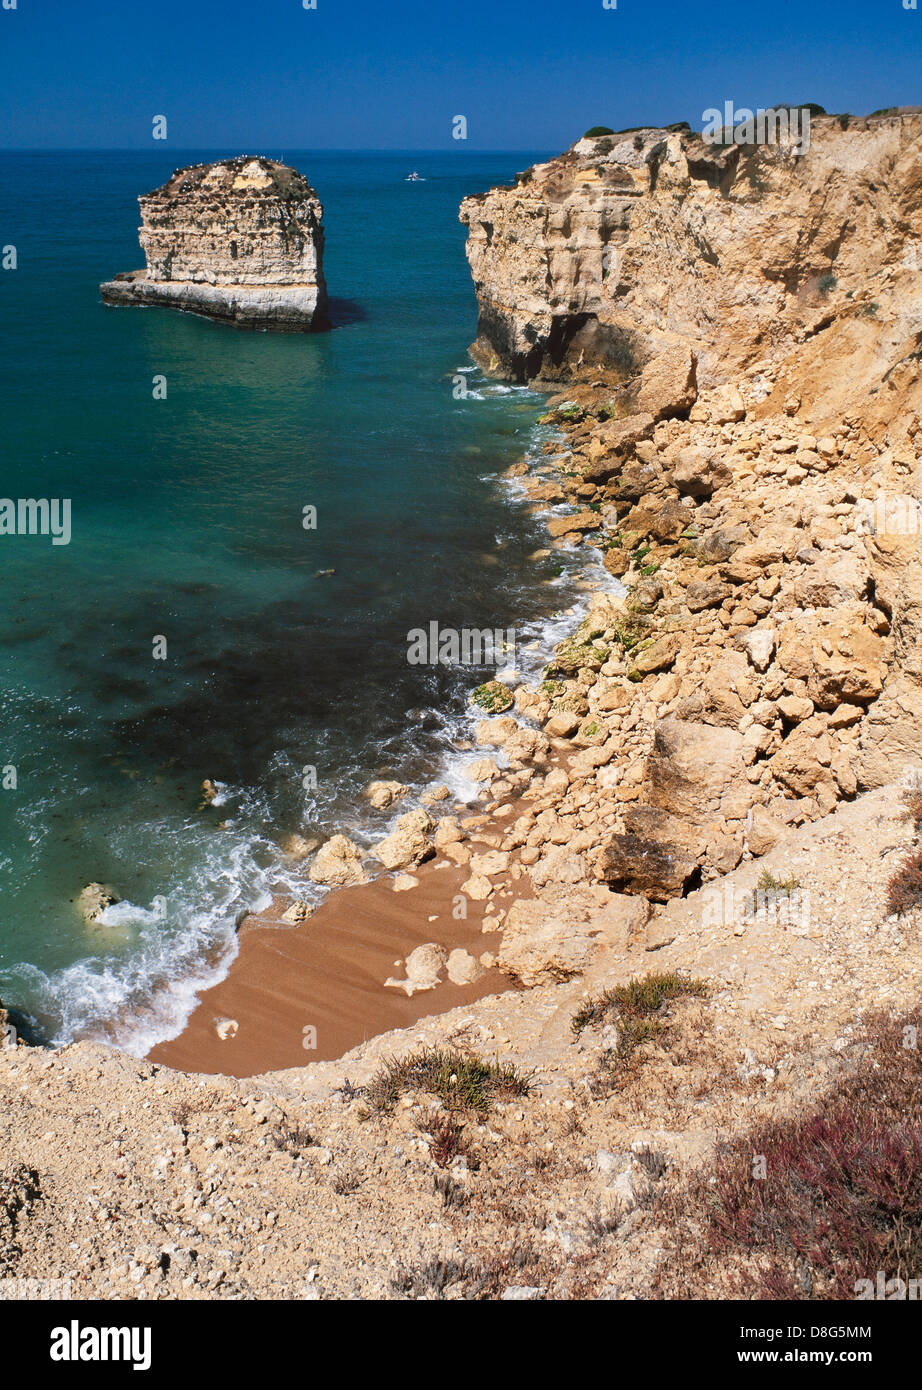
{"type": "Point", "coordinates": [635, 1005]}
{"type": "Point", "coordinates": [461, 1081]}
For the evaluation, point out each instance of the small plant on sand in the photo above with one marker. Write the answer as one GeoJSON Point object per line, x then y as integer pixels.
{"type": "Point", "coordinates": [904, 890]}
{"type": "Point", "coordinates": [636, 1006]}
{"type": "Point", "coordinates": [446, 1142]}
{"type": "Point", "coordinates": [291, 1138]}
{"type": "Point", "coordinates": [462, 1081]}
{"type": "Point", "coordinates": [827, 284]}
{"type": "Point", "coordinates": [768, 891]}
{"type": "Point", "coordinates": [779, 887]}
{"type": "Point", "coordinates": [429, 1280]}
{"type": "Point", "coordinates": [453, 1194]}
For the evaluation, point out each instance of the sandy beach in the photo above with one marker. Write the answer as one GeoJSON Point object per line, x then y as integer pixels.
{"type": "Point", "coordinates": [328, 973]}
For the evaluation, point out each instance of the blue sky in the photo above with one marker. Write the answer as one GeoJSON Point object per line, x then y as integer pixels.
{"type": "Point", "coordinates": [391, 74]}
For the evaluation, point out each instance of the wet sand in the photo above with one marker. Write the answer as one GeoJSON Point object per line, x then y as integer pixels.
{"type": "Point", "coordinates": [328, 973]}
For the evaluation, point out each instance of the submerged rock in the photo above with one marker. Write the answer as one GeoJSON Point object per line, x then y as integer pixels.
{"type": "Point", "coordinates": [296, 847]}
{"type": "Point", "coordinates": [94, 900]}
{"type": "Point", "coordinates": [384, 794]}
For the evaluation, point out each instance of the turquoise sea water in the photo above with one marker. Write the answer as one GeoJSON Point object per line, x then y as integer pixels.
{"type": "Point", "coordinates": [187, 524]}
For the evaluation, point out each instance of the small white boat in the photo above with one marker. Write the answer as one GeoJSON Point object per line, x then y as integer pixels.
{"type": "Point", "coordinates": [414, 178]}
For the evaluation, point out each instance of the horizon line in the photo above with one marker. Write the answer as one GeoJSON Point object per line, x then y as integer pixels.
{"type": "Point", "coordinates": [312, 149]}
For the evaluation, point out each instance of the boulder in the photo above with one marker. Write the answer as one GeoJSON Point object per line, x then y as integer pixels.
{"type": "Point", "coordinates": [617, 560]}
{"type": "Point", "coordinates": [562, 725]}
{"type": "Point", "coordinates": [493, 697]}
{"type": "Point", "coordinates": [668, 522]}
{"type": "Point", "coordinates": [424, 968]}
{"type": "Point", "coordinates": [527, 746]}
{"type": "Point", "coordinates": [691, 767]}
{"type": "Point", "coordinates": [760, 647]}
{"type": "Point", "coordinates": [299, 911]}
{"type": "Point", "coordinates": [717, 699]}
{"type": "Point", "coordinates": [706, 593]}
{"type": "Point", "coordinates": [669, 383]}
{"type": "Point", "coordinates": [652, 856]}
{"type": "Point", "coordinates": [615, 440]}
{"type": "Point", "coordinates": [802, 764]}
{"type": "Point", "coordinates": [795, 708]}
{"type": "Point", "coordinates": [296, 847]}
{"type": "Point", "coordinates": [493, 733]}
{"type": "Point", "coordinates": [579, 521]}
{"type": "Point", "coordinates": [840, 658]}
{"type": "Point", "coordinates": [828, 584]}
{"type": "Point", "coordinates": [447, 832]}
{"type": "Point", "coordinates": [463, 968]}
{"type": "Point", "coordinates": [720, 544]}
{"type": "Point", "coordinates": [338, 863]}
{"type": "Point", "coordinates": [543, 943]}
{"type": "Point", "coordinates": [559, 866]}
{"type": "Point", "coordinates": [478, 888]}
{"type": "Point", "coordinates": [408, 843]}
{"type": "Point", "coordinates": [763, 831]}
{"type": "Point", "coordinates": [724, 406]}
{"type": "Point", "coordinates": [659, 656]}
{"type": "Point", "coordinates": [494, 861]}
{"type": "Point", "coordinates": [698, 472]}
{"type": "Point", "coordinates": [384, 794]}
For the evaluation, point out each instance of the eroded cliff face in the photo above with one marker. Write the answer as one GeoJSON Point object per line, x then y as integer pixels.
{"type": "Point", "coordinates": [597, 261]}
{"type": "Point", "coordinates": [240, 240]}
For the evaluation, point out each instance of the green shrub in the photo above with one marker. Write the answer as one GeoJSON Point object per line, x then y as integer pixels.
{"type": "Point", "coordinates": [635, 1004]}
{"type": "Point", "coordinates": [462, 1081]}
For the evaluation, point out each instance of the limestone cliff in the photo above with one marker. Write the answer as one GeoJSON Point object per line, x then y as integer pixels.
{"type": "Point", "coordinates": [240, 240]}
{"type": "Point", "coordinates": [597, 260]}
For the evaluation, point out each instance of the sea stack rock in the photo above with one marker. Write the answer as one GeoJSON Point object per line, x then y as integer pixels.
{"type": "Point", "coordinates": [240, 241]}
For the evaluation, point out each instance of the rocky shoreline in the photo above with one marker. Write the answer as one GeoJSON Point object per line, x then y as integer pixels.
{"type": "Point", "coordinates": [693, 853]}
